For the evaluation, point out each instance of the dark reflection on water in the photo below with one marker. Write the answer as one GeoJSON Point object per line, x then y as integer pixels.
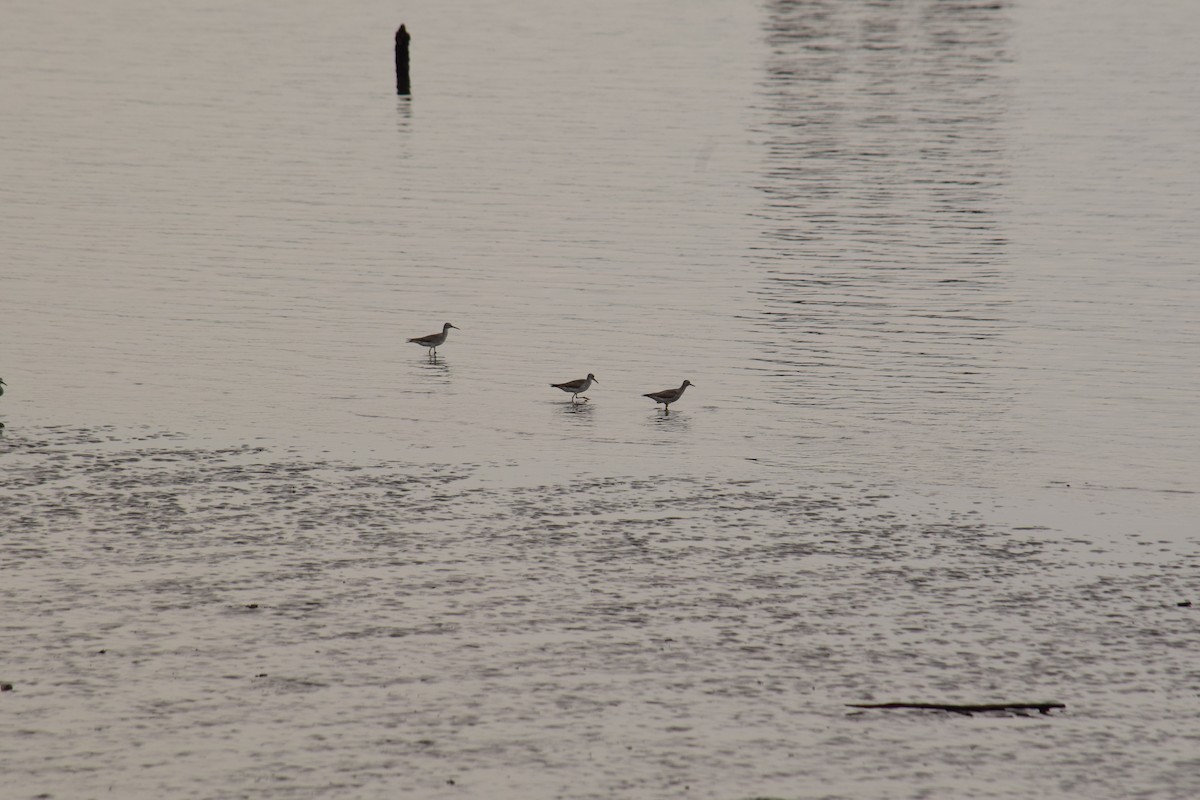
{"type": "Point", "coordinates": [581, 411]}
{"type": "Point", "coordinates": [434, 372]}
{"type": "Point", "coordinates": [674, 421]}
{"type": "Point", "coordinates": [883, 258]}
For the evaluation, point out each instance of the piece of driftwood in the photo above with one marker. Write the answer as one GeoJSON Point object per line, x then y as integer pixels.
{"type": "Point", "coordinates": [1043, 708]}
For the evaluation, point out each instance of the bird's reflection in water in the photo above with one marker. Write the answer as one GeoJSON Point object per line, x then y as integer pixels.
{"type": "Point", "coordinates": [438, 363]}
{"type": "Point", "coordinates": [672, 421]}
{"type": "Point", "coordinates": [576, 411]}
{"type": "Point", "coordinates": [434, 371]}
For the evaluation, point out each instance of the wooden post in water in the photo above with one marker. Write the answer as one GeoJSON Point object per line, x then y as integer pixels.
{"type": "Point", "coordinates": [402, 85]}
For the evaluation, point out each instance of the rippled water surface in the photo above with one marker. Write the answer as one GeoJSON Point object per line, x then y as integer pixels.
{"type": "Point", "coordinates": [930, 266]}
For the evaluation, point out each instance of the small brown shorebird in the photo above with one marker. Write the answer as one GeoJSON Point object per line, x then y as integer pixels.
{"type": "Point", "coordinates": [434, 340]}
{"type": "Point", "coordinates": [575, 388]}
{"type": "Point", "coordinates": [668, 396]}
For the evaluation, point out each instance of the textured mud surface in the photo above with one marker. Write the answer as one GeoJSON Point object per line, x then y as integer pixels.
{"type": "Point", "coordinates": [184, 622]}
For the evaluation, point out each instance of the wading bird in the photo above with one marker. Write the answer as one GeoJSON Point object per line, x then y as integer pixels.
{"type": "Point", "coordinates": [434, 340]}
{"type": "Point", "coordinates": [668, 396]}
{"type": "Point", "coordinates": [577, 387]}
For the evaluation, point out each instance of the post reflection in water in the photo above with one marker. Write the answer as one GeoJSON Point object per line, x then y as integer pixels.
{"type": "Point", "coordinates": [883, 289]}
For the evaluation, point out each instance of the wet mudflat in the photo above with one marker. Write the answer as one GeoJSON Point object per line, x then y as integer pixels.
{"type": "Point", "coordinates": [194, 622]}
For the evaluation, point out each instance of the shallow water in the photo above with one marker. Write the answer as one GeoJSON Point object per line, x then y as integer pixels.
{"type": "Point", "coordinates": [930, 266]}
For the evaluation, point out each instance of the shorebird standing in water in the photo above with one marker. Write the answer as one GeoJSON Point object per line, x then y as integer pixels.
{"type": "Point", "coordinates": [434, 340]}
{"type": "Point", "coordinates": [576, 387]}
{"type": "Point", "coordinates": [2, 385]}
{"type": "Point", "coordinates": [668, 396]}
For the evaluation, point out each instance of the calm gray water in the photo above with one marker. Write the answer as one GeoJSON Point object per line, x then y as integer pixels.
{"type": "Point", "coordinates": [931, 267]}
